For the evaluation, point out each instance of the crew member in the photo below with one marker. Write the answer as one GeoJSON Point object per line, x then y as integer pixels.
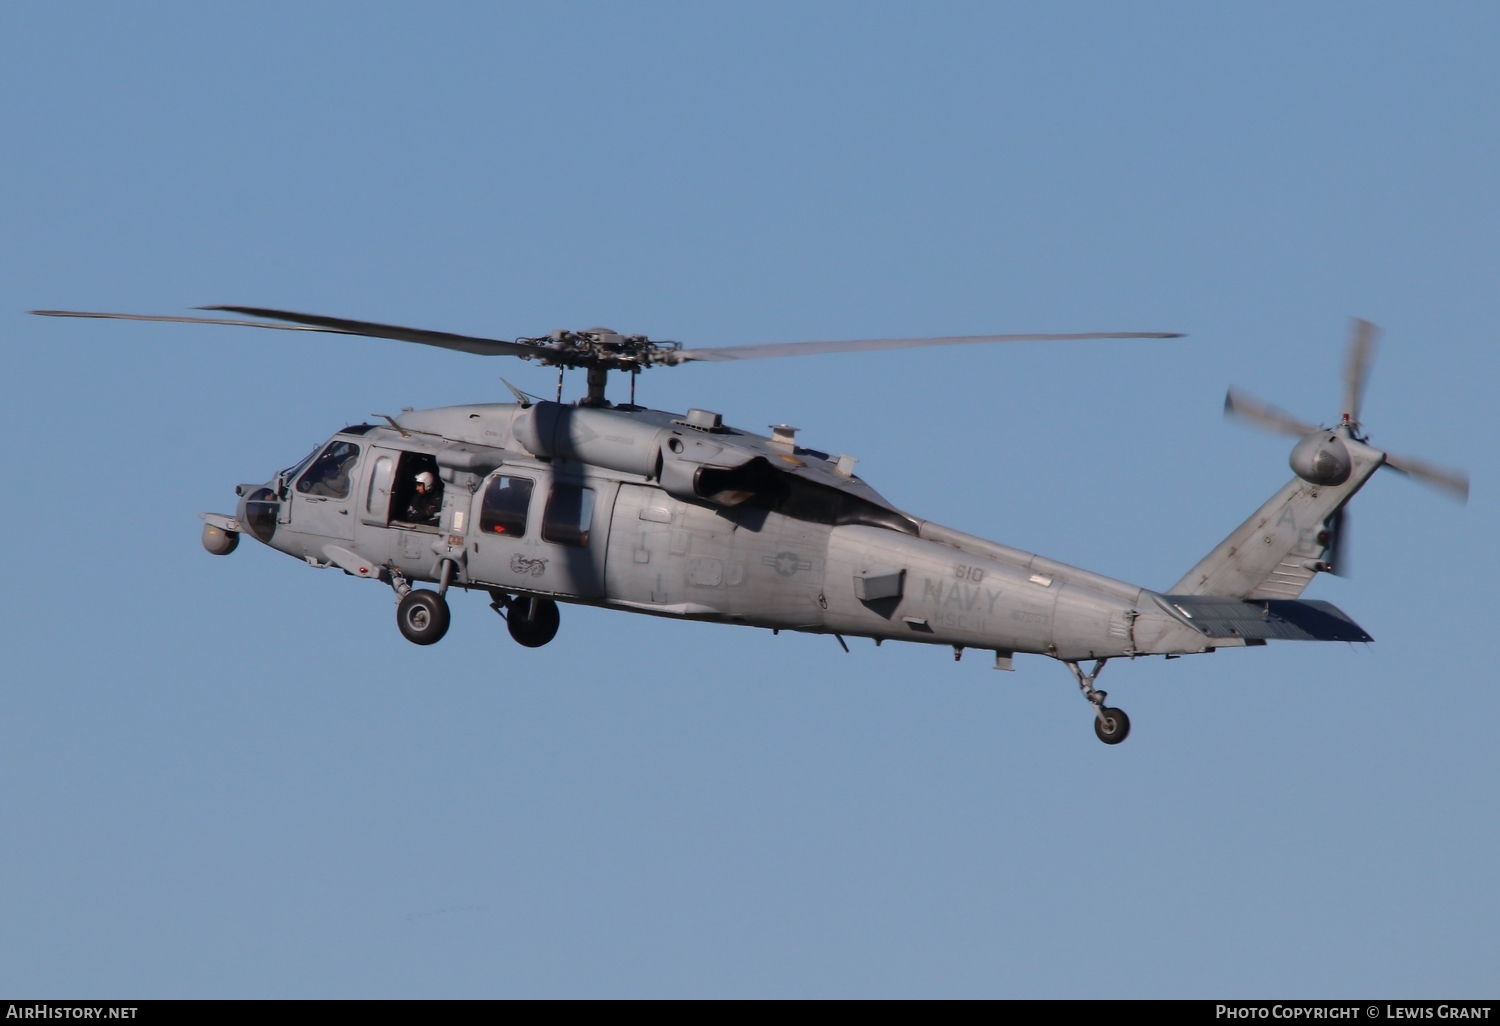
{"type": "Point", "coordinates": [426, 500]}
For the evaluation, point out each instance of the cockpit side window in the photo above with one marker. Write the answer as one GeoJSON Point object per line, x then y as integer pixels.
{"type": "Point", "coordinates": [569, 515]}
{"type": "Point", "coordinates": [328, 477]}
{"type": "Point", "coordinates": [506, 501]}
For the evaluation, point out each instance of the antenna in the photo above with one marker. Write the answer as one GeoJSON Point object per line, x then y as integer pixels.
{"type": "Point", "coordinates": [392, 421]}
{"type": "Point", "coordinates": [521, 397]}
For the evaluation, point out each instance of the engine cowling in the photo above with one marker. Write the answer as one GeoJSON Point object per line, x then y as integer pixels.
{"type": "Point", "coordinates": [1322, 458]}
{"type": "Point", "coordinates": [604, 438]}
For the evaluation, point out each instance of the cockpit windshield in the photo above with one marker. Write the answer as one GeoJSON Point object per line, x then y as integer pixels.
{"type": "Point", "coordinates": [290, 473]}
{"type": "Point", "coordinates": [328, 477]}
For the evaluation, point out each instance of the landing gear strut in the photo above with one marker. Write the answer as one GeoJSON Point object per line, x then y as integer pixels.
{"type": "Point", "coordinates": [1110, 725]}
{"type": "Point", "coordinates": [532, 621]}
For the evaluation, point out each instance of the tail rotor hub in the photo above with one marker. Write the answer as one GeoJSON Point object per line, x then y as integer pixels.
{"type": "Point", "coordinates": [1321, 457]}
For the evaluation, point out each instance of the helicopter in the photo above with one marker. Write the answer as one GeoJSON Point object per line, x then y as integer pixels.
{"type": "Point", "coordinates": [536, 502]}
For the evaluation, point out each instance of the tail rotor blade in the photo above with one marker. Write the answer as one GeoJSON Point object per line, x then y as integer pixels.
{"type": "Point", "coordinates": [1363, 337]}
{"type": "Point", "coordinates": [1337, 556]}
{"type": "Point", "coordinates": [1454, 482]}
{"type": "Point", "coordinates": [1264, 415]}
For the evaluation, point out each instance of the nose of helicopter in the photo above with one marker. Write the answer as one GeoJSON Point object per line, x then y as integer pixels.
{"type": "Point", "coordinates": [259, 508]}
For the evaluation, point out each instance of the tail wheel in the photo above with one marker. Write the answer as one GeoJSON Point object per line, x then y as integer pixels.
{"type": "Point", "coordinates": [422, 617]}
{"type": "Point", "coordinates": [1112, 725]}
{"type": "Point", "coordinates": [533, 621]}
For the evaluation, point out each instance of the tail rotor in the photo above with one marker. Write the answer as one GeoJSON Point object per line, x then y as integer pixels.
{"type": "Point", "coordinates": [1336, 556]}
{"type": "Point", "coordinates": [1453, 482]}
{"type": "Point", "coordinates": [1363, 338]}
{"type": "Point", "coordinates": [1321, 454]}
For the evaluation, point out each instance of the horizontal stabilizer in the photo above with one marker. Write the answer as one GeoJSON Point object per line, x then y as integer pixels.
{"type": "Point", "coordinates": [1267, 619]}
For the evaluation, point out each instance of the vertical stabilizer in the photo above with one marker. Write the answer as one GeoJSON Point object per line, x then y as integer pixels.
{"type": "Point", "coordinates": [1278, 551]}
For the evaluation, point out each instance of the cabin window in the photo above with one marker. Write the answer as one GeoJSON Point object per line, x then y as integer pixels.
{"type": "Point", "coordinates": [506, 501]}
{"type": "Point", "coordinates": [328, 477]}
{"type": "Point", "coordinates": [570, 514]}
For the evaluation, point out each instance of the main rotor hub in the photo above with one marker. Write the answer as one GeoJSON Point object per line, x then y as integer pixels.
{"type": "Point", "coordinates": [601, 348]}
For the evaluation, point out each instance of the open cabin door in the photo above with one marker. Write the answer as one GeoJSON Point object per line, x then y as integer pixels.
{"type": "Point", "coordinates": [380, 479]}
{"type": "Point", "coordinates": [541, 531]}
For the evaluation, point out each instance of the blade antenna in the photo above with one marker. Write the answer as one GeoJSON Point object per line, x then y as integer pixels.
{"type": "Point", "coordinates": [392, 422]}
{"type": "Point", "coordinates": [521, 397]}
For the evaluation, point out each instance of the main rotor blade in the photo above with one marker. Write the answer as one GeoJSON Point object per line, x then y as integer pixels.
{"type": "Point", "coordinates": [767, 350]}
{"type": "Point", "coordinates": [1454, 482]}
{"type": "Point", "coordinates": [178, 320]}
{"type": "Point", "coordinates": [442, 339]}
{"type": "Point", "coordinates": [1363, 337]}
{"type": "Point", "coordinates": [330, 325]}
{"type": "Point", "coordinates": [1264, 415]}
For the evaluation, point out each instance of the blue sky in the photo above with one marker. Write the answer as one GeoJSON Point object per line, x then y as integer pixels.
{"type": "Point", "coordinates": [232, 777]}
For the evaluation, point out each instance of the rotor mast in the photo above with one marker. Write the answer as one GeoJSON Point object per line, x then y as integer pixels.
{"type": "Point", "coordinates": [598, 378]}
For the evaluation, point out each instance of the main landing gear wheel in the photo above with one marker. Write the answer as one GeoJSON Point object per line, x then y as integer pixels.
{"type": "Point", "coordinates": [533, 621]}
{"type": "Point", "coordinates": [422, 617]}
{"type": "Point", "coordinates": [1112, 725]}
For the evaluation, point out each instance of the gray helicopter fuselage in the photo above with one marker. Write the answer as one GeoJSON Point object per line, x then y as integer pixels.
{"type": "Point", "coordinates": [681, 516]}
